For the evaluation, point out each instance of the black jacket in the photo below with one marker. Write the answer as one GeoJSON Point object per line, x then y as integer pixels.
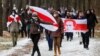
{"type": "Point", "coordinates": [92, 20]}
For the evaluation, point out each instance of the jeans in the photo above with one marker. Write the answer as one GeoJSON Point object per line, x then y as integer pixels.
{"type": "Point", "coordinates": [50, 41]}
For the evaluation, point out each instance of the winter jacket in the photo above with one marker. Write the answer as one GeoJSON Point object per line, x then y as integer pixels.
{"type": "Point", "coordinates": [92, 20]}
{"type": "Point", "coordinates": [35, 27]}
{"type": "Point", "coordinates": [58, 32]}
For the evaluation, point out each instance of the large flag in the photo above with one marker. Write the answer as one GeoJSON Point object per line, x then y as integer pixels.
{"type": "Point", "coordinates": [45, 16]}
{"type": "Point", "coordinates": [75, 25]}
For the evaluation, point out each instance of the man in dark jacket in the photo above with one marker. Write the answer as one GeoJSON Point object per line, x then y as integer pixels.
{"type": "Point", "coordinates": [92, 20]}
{"type": "Point", "coordinates": [23, 19]}
{"type": "Point", "coordinates": [85, 35]}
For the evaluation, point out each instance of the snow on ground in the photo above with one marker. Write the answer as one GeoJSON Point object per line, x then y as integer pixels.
{"type": "Point", "coordinates": [68, 48]}
{"type": "Point", "coordinates": [20, 45]}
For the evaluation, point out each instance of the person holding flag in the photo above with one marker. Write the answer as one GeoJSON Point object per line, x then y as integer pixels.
{"type": "Point", "coordinates": [69, 27]}
{"type": "Point", "coordinates": [85, 35]}
{"type": "Point", "coordinates": [56, 35]}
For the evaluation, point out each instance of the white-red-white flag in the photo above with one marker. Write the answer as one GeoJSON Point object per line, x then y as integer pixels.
{"type": "Point", "coordinates": [75, 25]}
{"type": "Point", "coordinates": [12, 18]}
{"type": "Point", "coordinates": [45, 16]}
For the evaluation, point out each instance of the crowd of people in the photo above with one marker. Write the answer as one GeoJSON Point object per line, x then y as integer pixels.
{"type": "Point", "coordinates": [32, 29]}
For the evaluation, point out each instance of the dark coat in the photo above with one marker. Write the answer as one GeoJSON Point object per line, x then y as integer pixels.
{"type": "Point", "coordinates": [92, 20]}
{"type": "Point", "coordinates": [35, 28]}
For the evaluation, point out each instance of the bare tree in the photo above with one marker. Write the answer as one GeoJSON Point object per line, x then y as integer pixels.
{"type": "Point", "coordinates": [4, 16]}
{"type": "Point", "coordinates": [0, 18]}
{"type": "Point", "coordinates": [77, 4]}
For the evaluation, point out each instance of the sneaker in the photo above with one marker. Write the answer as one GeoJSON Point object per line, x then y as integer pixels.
{"type": "Point", "coordinates": [39, 54]}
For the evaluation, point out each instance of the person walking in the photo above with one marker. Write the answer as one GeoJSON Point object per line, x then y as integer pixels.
{"type": "Point", "coordinates": [14, 25]}
{"type": "Point", "coordinates": [85, 35]}
{"type": "Point", "coordinates": [49, 39]}
{"type": "Point", "coordinates": [69, 34]}
{"type": "Point", "coordinates": [80, 16]}
{"type": "Point", "coordinates": [35, 33]}
{"type": "Point", "coordinates": [92, 20]}
{"type": "Point", "coordinates": [56, 35]}
{"type": "Point", "coordinates": [95, 21]}
{"type": "Point", "coordinates": [23, 15]}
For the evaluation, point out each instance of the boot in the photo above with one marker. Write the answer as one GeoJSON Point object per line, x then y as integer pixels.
{"type": "Point", "coordinates": [87, 47]}
{"type": "Point", "coordinates": [39, 54]}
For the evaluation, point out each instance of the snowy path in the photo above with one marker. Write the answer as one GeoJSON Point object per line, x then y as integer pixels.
{"type": "Point", "coordinates": [72, 48]}
{"type": "Point", "coordinates": [68, 48]}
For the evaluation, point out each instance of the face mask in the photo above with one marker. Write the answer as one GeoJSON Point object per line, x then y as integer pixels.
{"type": "Point", "coordinates": [34, 15]}
{"type": "Point", "coordinates": [55, 15]}
{"type": "Point", "coordinates": [88, 12]}
{"type": "Point", "coordinates": [35, 18]}
{"type": "Point", "coordinates": [71, 13]}
{"type": "Point", "coordinates": [13, 13]}
{"type": "Point", "coordinates": [28, 11]}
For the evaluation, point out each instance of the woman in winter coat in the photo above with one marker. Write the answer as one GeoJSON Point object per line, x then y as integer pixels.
{"type": "Point", "coordinates": [35, 33]}
{"type": "Point", "coordinates": [57, 34]}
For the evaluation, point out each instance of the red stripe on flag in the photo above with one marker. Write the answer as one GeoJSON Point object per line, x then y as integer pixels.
{"type": "Point", "coordinates": [80, 27]}
{"type": "Point", "coordinates": [43, 17]}
{"type": "Point", "coordinates": [56, 25]}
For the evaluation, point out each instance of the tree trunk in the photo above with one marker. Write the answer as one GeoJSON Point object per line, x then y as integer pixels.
{"type": "Point", "coordinates": [1, 30]}
{"type": "Point", "coordinates": [84, 5]}
{"type": "Point", "coordinates": [4, 16]}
